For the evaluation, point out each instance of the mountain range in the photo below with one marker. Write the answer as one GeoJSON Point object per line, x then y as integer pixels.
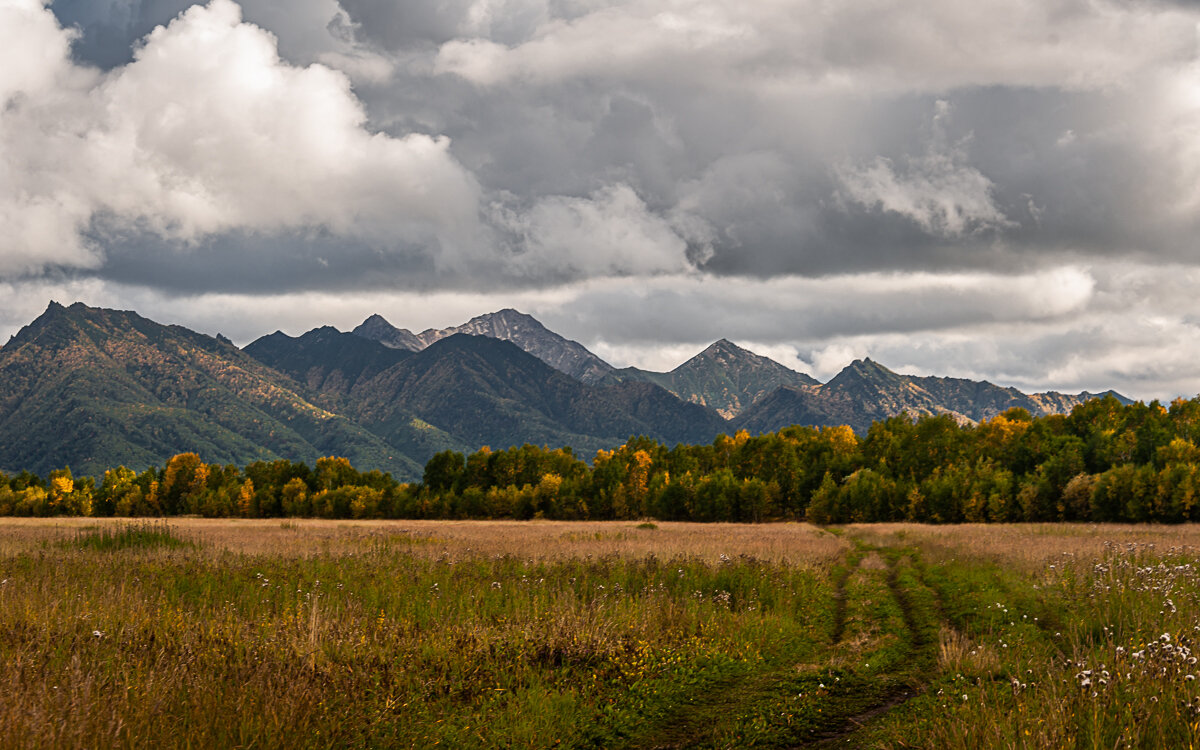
{"type": "Point", "coordinates": [95, 388]}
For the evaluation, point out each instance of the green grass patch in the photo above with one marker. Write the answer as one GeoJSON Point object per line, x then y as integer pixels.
{"type": "Point", "coordinates": [134, 535]}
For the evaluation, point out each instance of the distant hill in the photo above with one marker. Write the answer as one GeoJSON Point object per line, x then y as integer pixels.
{"type": "Point", "coordinates": [94, 388]}
{"type": "Point", "coordinates": [325, 359]}
{"type": "Point", "coordinates": [334, 365]}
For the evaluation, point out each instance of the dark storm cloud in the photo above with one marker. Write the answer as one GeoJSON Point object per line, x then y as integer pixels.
{"type": "Point", "coordinates": [241, 263]}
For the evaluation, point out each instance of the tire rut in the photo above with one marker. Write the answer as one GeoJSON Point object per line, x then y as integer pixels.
{"type": "Point", "coordinates": [839, 598]}
{"type": "Point", "coordinates": [921, 643]}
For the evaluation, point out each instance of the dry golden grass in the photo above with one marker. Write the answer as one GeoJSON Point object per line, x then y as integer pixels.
{"type": "Point", "coordinates": [1029, 547]}
{"type": "Point", "coordinates": [959, 654]}
{"type": "Point", "coordinates": [794, 543]}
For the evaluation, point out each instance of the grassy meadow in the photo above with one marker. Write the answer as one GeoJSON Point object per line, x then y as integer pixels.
{"type": "Point", "coordinates": [299, 633]}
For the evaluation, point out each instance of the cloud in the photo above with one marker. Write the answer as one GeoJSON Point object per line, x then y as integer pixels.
{"type": "Point", "coordinates": [798, 135]}
{"type": "Point", "coordinates": [35, 47]}
{"type": "Point", "coordinates": [256, 145]}
{"type": "Point", "coordinates": [785, 309]}
{"type": "Point", "coordinates": [878, 46]}
{"type": "Point", "coordinates": [938, 190]}
{"type": "Point", "coordinates": [1117, 324]}
{"type": "Point", "coordinates": [307, 31]}
{"type": "Point", "coordinates": [768, 139]}
{"type": "Point", "coordinates": [609, 233]}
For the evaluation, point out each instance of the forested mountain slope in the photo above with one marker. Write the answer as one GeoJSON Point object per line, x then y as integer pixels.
{"type": "Point", "coordinates": [95, 388]}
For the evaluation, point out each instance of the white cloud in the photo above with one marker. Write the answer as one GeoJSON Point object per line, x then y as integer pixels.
{"type": "Point", "coordinates": [35, 49]}
{"type": "Point", "coordinates": [206, 131]}
{"type": "Point", "coordinates": [885, 46]}
{"type": "Point", "coordinates": [943, 197]}
{"type": "Point", "coordinates": [609, 233]}
{"type": "Point", "coordinates": [937, 189]}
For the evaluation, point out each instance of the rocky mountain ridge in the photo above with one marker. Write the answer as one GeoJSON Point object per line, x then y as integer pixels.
{"type": "Point", "coordinates": [95, 388]}
{"type": "Point", "coordinates": [866, 391]}
{"type": "Point", "coordinates": [523, 330]}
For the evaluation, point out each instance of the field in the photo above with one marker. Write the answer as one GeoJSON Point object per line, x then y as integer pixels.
{"type": "Point", "coordinates": [295, 633]}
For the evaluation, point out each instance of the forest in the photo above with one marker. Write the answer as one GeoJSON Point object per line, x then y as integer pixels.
{"type": "Point", "coordinates": [1103, 462]}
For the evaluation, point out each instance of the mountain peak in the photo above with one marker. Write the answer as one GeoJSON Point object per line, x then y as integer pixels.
{"type": "Point", "coordinates": [528, 333]}
{"type": "Point", "coordinates": [508, 312]}
{"type": "Point", "coordinates": [500, 324]}
{"type": "Point", "coordinates": [727, 378]}
{"type": "Point", "coordinates": [721, 351]}
{"type": "Point", "coordinates": [861, 371]}
{"type": "Point", "coordinates": [507, 324]}
{"type": "Point", "coordinates": [866, 364]}
{"type": "Point", "coordinates": [723, 345]}
{"type": "Point", "coordinates": [56, 322]}
{"type": "Point", "coordinates": [376, 328]}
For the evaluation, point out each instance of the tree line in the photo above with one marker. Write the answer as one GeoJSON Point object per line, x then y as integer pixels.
{"type": "Point", "coordinates": [1105, 461]}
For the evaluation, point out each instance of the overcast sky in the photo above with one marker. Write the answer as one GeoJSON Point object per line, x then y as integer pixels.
{"type": "Point", "coordinates": [1003, 190]}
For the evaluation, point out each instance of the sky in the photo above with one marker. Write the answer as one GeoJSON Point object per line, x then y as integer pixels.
{"type": "Point", "coordinates": [1001, 190]}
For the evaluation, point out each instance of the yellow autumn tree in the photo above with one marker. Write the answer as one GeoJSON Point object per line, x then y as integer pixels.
{"type": "Point", "coordinates": [295, 498]}
{"type": "Point", "coordinates": [178, 491]}
{"type": "Point", "coordinates": [637, 483]}
{"type": "Point", "coordinates": [245, 501]}
{"type": "Point", "coordinates": [62, 484]}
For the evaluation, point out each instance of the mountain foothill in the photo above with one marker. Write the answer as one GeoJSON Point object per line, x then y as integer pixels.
{"type": "Point", "coordinates": [93, 388]}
